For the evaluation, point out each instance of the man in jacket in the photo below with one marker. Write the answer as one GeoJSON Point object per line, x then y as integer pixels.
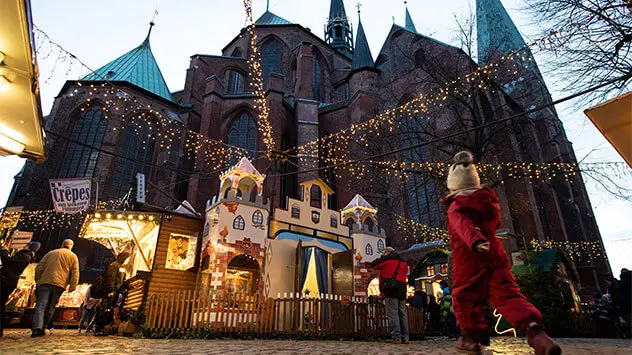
{"type": "Point", "coordinates": [12, 268]}
{"type": "Point", "coordinates": [392, 265]}
{"type": "Point", "coordinates": [57, 269]}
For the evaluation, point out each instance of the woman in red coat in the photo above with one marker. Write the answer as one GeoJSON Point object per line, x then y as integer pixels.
{"type": "Point", "coordinates": [480, 266]}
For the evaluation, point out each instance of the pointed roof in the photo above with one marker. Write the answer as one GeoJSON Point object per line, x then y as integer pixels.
{"type": "Point", "coordinates": [243, 168]}
{"type": "Point", "coordinates": [409, 24]}
{"type": "Point", "coordinates": [361, 53]}
{"type": "Point", "coordinates": [268, 18]}
{"type": "Point", "coordinates": [359, 203]}
{"type": "Point", "coordinates": [137, 67]}
{"type": "Point", "coordinates": [495, 30]}
{"type": "Point", "coordinates": [337, 10]}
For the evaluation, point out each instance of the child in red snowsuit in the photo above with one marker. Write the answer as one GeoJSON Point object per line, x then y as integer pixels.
{"type": "Point", "coordinates": [480, 266]}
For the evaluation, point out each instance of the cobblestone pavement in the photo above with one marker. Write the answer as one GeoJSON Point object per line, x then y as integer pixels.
{"type": "Point", "coordinates": [68, 342]}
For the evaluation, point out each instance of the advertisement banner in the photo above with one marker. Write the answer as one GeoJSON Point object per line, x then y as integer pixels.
{"type": "Point", "coordinates": [70, 195]}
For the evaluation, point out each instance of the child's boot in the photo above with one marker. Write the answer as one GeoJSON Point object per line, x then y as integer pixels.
{"type": "Point", "coordinates": [541, 342]}
{"type": "Point", "coordinates": [467, 344]}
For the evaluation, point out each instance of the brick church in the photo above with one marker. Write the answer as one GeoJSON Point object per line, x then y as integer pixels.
{"type": "Point", "coordinates": [315, 86]}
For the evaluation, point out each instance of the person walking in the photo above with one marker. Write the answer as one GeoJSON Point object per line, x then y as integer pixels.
{"type": "Point", "coordinates": [57, 270]}
{"type": "Point", "coordinates": [12, 268]}
{"type": "Point", "coordinates": [481, 269]}
{"type": "Point", "coordinates": [393, 285]}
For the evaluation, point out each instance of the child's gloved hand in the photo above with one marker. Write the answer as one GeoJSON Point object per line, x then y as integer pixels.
{"type": "Point", "coordinates": [483, 247]}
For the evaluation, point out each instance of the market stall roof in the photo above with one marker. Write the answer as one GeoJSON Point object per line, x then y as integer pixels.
{"type": "Point", "coordinates": [613, 119]}
{"type": "Point", "coordinates": [21, 122]}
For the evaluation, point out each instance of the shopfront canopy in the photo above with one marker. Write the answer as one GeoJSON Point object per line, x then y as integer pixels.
{"type": "Point", "coordinates": [21, 128]}
{"type": "Point", "coordinates": [614, 120]}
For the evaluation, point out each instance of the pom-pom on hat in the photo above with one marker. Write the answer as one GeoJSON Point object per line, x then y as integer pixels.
{"type": "Point", "coordinates": [463, 174]}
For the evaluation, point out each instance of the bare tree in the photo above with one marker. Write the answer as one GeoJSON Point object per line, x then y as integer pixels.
{"type": "Point", "coordinates": [465, 32]}
{"type": "Point", "coordinates": [590, 42]}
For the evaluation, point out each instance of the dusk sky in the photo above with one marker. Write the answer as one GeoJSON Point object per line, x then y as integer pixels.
{"type": "Point", "coordinates": [99, 31]}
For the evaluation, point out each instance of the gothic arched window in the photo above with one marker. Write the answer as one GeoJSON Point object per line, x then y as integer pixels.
{"type": "Point", "coordinates": [317, 79]}
{"type": "Point", "coordinates": [88, 129]}
{"type": "Point", "coordinates": [243, 133]}
{"type": "Point", "coordinates": [238, 223]}
{"type": "Point", "coordinates": [137, 156]}
{"type": "Point", "coordinates": [270, 60]}
{"type": "Point", "coordinates": [380, 245]}
{"type": "Point", "coordinates": [236, 82]}
{"type": "Point", "coordinates": [257, 217]}
{"type": "Point", "coordinates": [368, 250]}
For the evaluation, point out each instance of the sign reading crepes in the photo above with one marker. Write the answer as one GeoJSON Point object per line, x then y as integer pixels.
{"type": "Point", "coordinates": [70, 195]}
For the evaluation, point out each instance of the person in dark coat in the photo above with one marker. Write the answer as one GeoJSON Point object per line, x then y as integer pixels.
{"type": "Point", "coordinates": [391, 265]}
{"type": "Point", "coordinates": [419, 300]}
{"type": "Point", "coordinates": [106, 287]}
{"type": "Point", "coordinates": [12, 268]}
{"type": "Point", "coordinates": [434, 313]}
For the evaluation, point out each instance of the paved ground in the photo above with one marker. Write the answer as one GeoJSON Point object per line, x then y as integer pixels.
{"type": "Point", "coordinates": [68, 342]}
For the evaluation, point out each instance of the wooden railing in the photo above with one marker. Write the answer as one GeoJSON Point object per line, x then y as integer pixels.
{"type": "Point", "coordinates": [182, 312]}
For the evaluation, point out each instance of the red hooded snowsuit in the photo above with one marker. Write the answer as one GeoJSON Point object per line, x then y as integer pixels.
{"type": "Point", "coordinates": [478, 276]}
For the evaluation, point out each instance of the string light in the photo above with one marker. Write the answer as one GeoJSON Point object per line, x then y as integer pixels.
{"type": "Point", "coordinates": [257, 84]}
{"type": "Point", "coordinates": [574, 250]}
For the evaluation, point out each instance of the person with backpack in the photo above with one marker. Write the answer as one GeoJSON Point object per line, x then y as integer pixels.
{"type": "Point", "coordinates": [393, 285]}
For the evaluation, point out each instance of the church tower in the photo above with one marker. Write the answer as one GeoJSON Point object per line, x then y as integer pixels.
{"type": "Point", "coordinates": [338, 31]}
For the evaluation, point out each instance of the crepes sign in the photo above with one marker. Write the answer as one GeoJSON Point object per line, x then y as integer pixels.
{"type": "Point", "coordinates": [70, 195]}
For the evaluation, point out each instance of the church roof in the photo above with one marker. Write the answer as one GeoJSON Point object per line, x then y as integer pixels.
{"type": "Point", "coordinates": [361, 53]}
{"type": "Point", "coordinates": [137, 67]}
{"type": "Point", "coordinates": [495, 30]}
{"type": "Point", "coordinates": [268, 18]}
{"type": "Point", "coordinates": [337, 10]}
{"type": "Point", "coordinates": [409, 24]}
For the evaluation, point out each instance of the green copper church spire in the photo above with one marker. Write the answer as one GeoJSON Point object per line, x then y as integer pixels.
{"type": "Point", "coordinates": [338, 32]}
{"type": "Point", "coordinates": [362, 53]}
{"type": "Point", "coordinates": [137, 67]}
{"type": "Point", "coordinates": [495, 30]}
{"type": "Point", "coordinates": [409, 24]}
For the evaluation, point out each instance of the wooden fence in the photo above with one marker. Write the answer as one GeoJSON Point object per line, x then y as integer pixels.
{"type": "Point", "coordinates": [297, 315]}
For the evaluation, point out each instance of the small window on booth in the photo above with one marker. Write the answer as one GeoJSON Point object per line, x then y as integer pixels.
{"type": "Point", "coordinates": [349, 223]}
{"type": "Point", "coordinates": [238, 223]}
{"type": "Point", "coordinates": [333, 222]}
{"type": "Point", "coordinates": [430, 271]}
{"type": "Point", "coordinates": [181, 252]}
{"type": "Point", "coordinates": [368, 250]}
{"type": "Point", "coordinates": [296, 211]}
{"type": "Point", "coordinates": [315, 196]}
{"type": "Point", "coordinates": [380, 245]}
{"type": "Point", "coordinates": [444, 268]}
{"type": "Point", "coordinates": [257, 217]}
{"type": "Point", "coordinates": [369, 224]}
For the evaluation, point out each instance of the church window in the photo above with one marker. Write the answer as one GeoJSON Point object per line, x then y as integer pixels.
{"type": "Point", "coordinates": [333, 221]}
{"type": "Point", "coordinates": [137, 156]}
{"type": "Point", "coordinates": [257, 217]}
{"type": "Point", "coordinates": [270, 60]}
{"type": "Point", "coordinates": [296, 211]}
{"type": "Point", "coordinates": [337, 32]}
{"type": "Point", "coordinates": [317, 79]}
{"type": "Point", "coordinates": [346, 90]}
{"type": "Point", "coordinates": [380, 245]}
{"type": "Point", "coordinates": [81, 160]}
{"type": "Point", "coordinates": [243, 134]}
{"type": "Point", "coordinates": [369, 224]}
{"type": "Point", "coordinates": [238, 223]}
{"type": "Point", "coordinates": [315, 196]}
{"type": "Point", "coordinates": [368, 250]}
{"type": "Point", "coordinates": [236, 82]}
